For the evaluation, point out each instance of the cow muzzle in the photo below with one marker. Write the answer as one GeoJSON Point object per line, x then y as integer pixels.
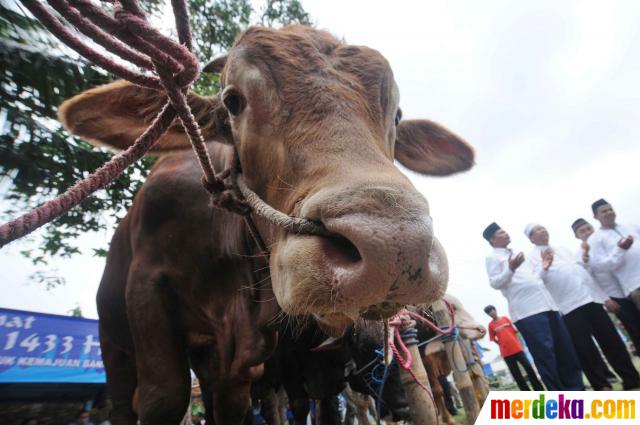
{"type": "Point", "coordinates": [380, 256]}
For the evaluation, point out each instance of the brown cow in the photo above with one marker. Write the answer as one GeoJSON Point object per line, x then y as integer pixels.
{"type": "Point", "coordinates": [316, 125]}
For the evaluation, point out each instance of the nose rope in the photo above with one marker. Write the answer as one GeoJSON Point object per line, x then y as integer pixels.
{"type": "Point", "coordinates": [280, 219]}
{"type": "Point", "coordinates": [128, 35]}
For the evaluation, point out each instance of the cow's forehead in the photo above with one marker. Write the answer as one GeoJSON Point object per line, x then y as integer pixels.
{"type": "Point", "coordinates": [299, 54]}
{"type": "Point", "coordinates": [303, 63]}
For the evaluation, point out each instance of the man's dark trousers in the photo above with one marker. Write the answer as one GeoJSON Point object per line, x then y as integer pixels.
{"type": "Point", "coordinates": [552, 350]}
{"type": "Point", "coordinates": [512, 363]}
{"type": "Point", "coordinates": [591, 320]}
{"type": "Point", "coordinates": [630, 318]}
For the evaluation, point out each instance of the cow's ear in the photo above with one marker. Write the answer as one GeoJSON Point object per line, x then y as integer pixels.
{"type": "Point", "coordinates": [216, 64]}
{"type": "Point", "coordinates": [428, 148]}
{"type": "Point", "coordinates": [116, 114]}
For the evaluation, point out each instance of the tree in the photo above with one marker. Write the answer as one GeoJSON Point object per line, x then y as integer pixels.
{"type": "Point", "coordinates": [39, 159]}
{"type": "Point", "coordinates": [76, 311]}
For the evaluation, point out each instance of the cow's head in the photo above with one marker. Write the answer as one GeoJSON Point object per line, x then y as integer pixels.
{"type": "Point", "coordinates": [317, 126]}
{"type": "Point", "coordinates": [364, 341]}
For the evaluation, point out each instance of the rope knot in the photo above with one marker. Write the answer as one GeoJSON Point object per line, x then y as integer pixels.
{"type": "Point", "coordinates": [452, 335]}
{"type": "Point", "coordinates": [228, 200]}
{"type": "Point", "coordinates": [214, 187]}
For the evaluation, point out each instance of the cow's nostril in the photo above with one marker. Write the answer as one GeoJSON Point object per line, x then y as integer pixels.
{"type": "Point", "coordinates": [340, 251]}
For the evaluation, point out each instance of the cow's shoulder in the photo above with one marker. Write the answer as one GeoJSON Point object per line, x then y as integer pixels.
{"type": "Point", "coordinates": [172, 210]}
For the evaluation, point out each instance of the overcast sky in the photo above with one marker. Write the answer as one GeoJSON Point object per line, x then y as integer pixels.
{"type": "Point", "coordinates": [547, 92]}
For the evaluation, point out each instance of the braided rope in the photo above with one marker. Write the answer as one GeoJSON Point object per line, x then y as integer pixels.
{"type": "Point", "coordinates": [291, 224]}
{"type": "Point", "coordinates": [79, 191]}
{"type": "Point", "coordinates": [452, 323]}
{"type": "Point", "coordinates": [59, 30]}
{"type": "Point", "coordinates": [398, 322]}
{"type": "Point", "coordinates": [176, 68]}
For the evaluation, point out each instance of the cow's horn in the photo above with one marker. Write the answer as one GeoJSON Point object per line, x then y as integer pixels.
{"type": "Point", "coordinates": [330, 343]}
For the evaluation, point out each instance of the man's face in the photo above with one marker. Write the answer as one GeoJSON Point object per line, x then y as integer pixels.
{"type": "Point", "coordinates": [606, 215]}
{"type": "Point", "coordinates": [83, 419]}
{"type": "Point", "coordinates": [500, 239]}
{"type": "Point", "coordinates": [583, 232]}
{"type": "Point", "coordinates": [539, 236]}
{"type": "Point", "coordinates": [493, 313]}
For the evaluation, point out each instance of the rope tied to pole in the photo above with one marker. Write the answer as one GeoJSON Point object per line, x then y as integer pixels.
{"type": "Point", "coordinates": [128, 35]}
{"type": "Point", "coordinates": [406, 319]}
{"type": "Point", "coordinates": [403, 323]}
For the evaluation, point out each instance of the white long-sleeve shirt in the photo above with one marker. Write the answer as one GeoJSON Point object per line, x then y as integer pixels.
{"type": "Point", "coordinates": [605, 280]}
{"type": "Point", "coordinates": [524, 291]}
{"type": "Point", "coordinates": [569, 282]}
{"type": "Point", "coordinates": [607, 256]}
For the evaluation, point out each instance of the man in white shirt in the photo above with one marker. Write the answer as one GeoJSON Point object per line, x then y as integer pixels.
{"type": "Point", "coordinates": [580, 301]}
{"type": "Point", "coordinates": [534, 313]}
{"type": "Point", "coordinates": [616, 248]}
{"type": "Point", "coordinates": [624, 309]}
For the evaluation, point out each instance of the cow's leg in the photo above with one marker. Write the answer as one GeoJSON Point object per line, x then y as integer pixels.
{"type": "Point", "coordinates": [207, 400]}
{"type": "Point", "coordinates": [438, 397]}
{"type": "Point", "coordinates": [232, 402]}
{"type": "Point", "coordinates": [432, 364]}
{"type": "Point", "coordinates": [164, 381]}
{"type": "Point", "coordinates": [327, 411]}
{"type": "Point", "coordinates": [300, 409]}
{"type": "Point", "coordinates": [121, 381]}
{"type": "Point", "coordinates": [271, 407]}
{"type": "Point", "coordinates": [248, 417]}
{"type": "Point", "coordinates": [446, 416]}
{"type": "Point", "coordinates": [118, 353]}
{"type": "Point", "coordinates": [201, 364]}
{"type": "Point", "coordinates": [282, 406]}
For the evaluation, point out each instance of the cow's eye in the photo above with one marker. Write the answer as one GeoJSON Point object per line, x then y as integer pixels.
{"type": "Point", "coordinates": [233, 101]}
{"type": "Point", "coordinates": [398, 116]}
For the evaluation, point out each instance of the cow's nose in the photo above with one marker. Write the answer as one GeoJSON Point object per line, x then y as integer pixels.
{"type": "Point", "coordinates": [382, 253]}
{"type": "Point", "coordinates": [375, 261]}
{"type": "Point", "coordinates": [340, 252]}
{"type": "Point", "coordinates": [401, 414]}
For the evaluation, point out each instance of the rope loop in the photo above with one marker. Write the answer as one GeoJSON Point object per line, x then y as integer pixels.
{"type": "Point", "coordinates": [128, 35]}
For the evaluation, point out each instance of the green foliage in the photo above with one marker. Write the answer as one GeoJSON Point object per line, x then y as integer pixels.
{"type": "Point", "coordinates": [284, 12]}
{"type": "Point", "coordinates": [47, 279]}
{"type": "Point", "coordinates": [216, 24]}
{"type": "Point", "coordinates": [197, 409]}
{"type": "Point", "coordinates": [36, 154]}
{"type": "Point", "coordinates": [39, 159]}
{"type": "Point", "coordinates": [76, 312]}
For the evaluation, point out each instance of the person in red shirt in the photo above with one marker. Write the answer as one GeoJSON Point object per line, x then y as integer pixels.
{"type": "Point", "coordinates": [503, 333]}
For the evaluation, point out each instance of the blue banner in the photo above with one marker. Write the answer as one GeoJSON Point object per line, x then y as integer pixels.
{"type": "Point", "coordinates": [36, 347]}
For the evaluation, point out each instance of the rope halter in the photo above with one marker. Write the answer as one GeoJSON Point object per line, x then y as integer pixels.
{"type": "Point", "coordinates": [169, 67]}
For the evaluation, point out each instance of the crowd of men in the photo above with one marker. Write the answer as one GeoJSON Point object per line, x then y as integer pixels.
{"type": "Point", "coordinates": [557, 299]}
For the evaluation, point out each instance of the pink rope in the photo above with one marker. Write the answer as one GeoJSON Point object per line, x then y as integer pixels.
{"type": "Point", "coordinates": [53, 25]}
{"type": "Point", "coordinates": [417, 317]}
{"type": "Point", "coordinates": [146, 36]}
{"type": "Point", "coordinates": [99, 179]}
{"type": "Point", "coordinates": [405, 362]}
{"type": "Point", "coordinates": [182, 22]}
{"type": "Point", "coordinates": [179, 102]}
{"type": "Point", "coordinates": [177, 67]}
{"type": "Point", "coordinates": [397, 322]}
{"type": "Point", "coordinates": [98, 35]}
{"type": "Point", "coordinates": [112, 25]}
